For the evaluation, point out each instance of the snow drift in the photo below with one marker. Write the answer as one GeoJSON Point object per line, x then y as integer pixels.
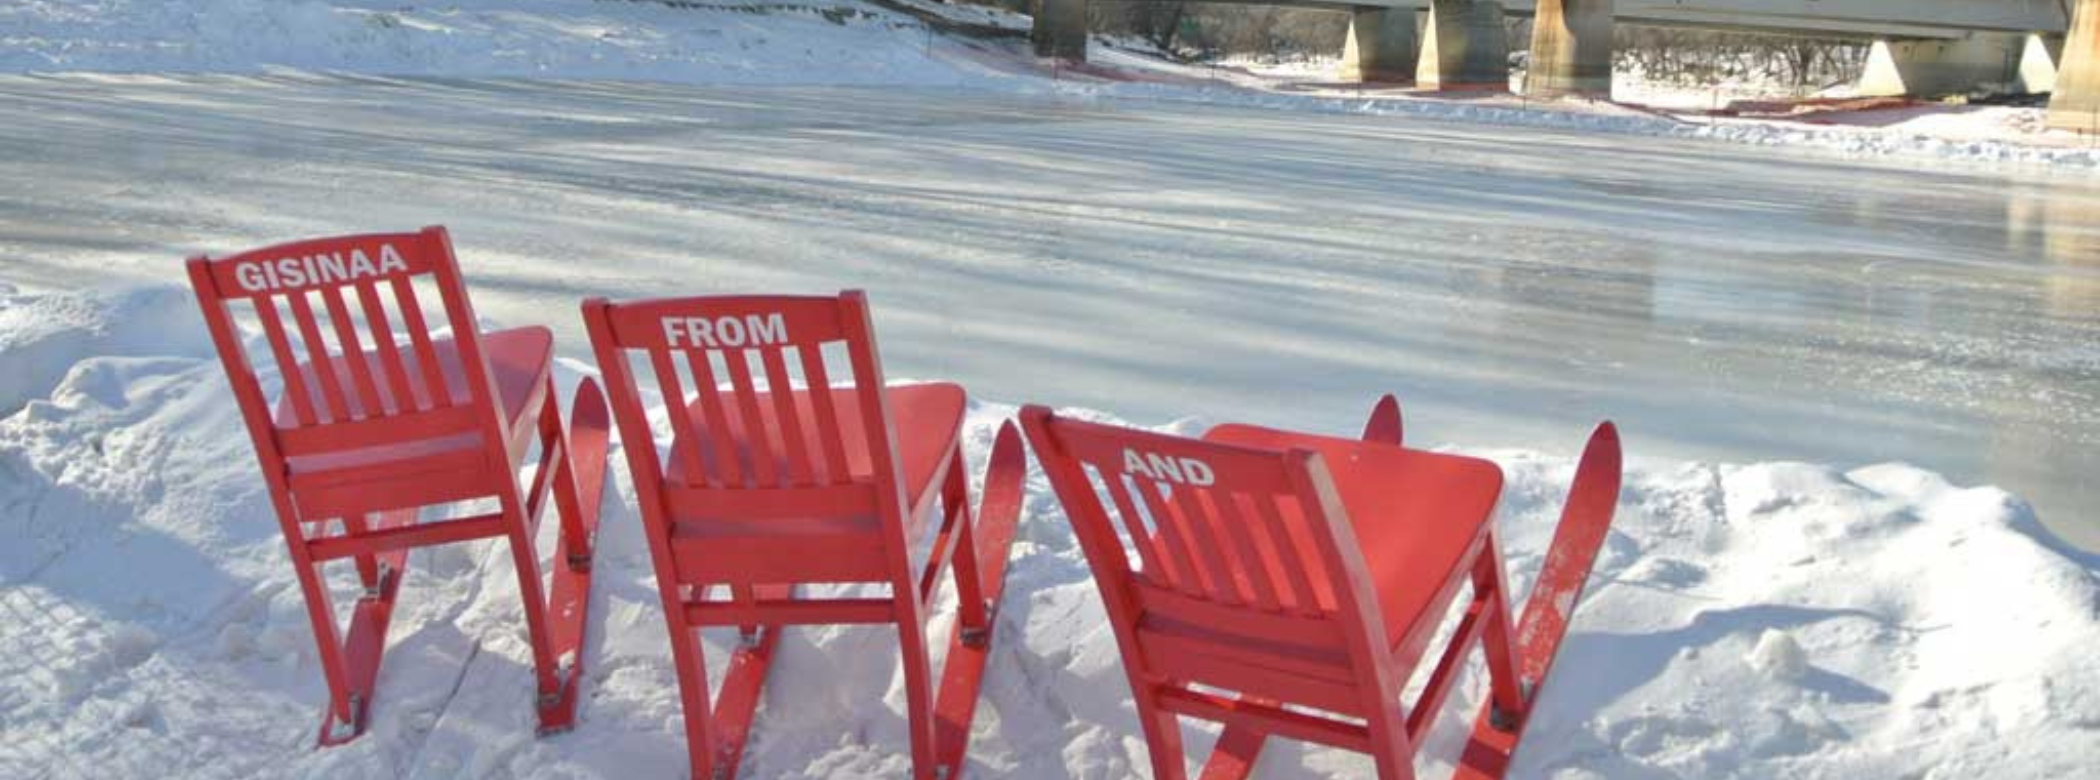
{"type": "Point", "coordinates": [713, 41]}
{"type": "Point", "coordinates": [1765, 620]}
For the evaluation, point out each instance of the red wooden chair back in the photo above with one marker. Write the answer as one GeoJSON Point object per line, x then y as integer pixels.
{"type": "Point", "coordinates": [369, 431]}
{"type": "Point", "coordinates": [362, 390]}
{"type": "Point", "coordinates": [759, 459]}
{"type": "Point", "coordinates": [1246, 576]}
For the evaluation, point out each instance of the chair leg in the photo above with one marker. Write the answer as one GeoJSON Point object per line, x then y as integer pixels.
{"type": "Point", "coordinates": [328, 641]}
{"type": "Point", "coordinates": [918, 682]}
{"type": "Point", "coordinates": [1390, 750]}
{"type": "Point", "coordinates": [1162, 739]}
{"type": "Point", "coordinates": [1488, 582]}
{"type": "Point", "coordinates": [972, 614]}
{"type": "Point", "coordinates": [691, 662]}
{"type": "Point", "coordinates": [525, 558]}
{"type": "Point", "coordinates": [367, 565]}
{"type": "Point", "coordinates": [1234, 755]}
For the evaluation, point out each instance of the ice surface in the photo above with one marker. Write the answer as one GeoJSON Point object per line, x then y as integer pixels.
{"type": "Point", "coordinates": [1744, 621]}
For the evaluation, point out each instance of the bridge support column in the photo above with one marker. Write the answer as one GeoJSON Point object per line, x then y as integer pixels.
{"type": "Point", "coordinates": [1934, 68]}
{"type": "Point", "coordinates": [1381, 45]}
{"type": "Point", "coordinates": [2075, 105]}
{"type": "Point", "coordinates": [1570, 49]}
{"type": "Point", "coordinates": [2038, 61]}
{"type": "Point", "coordinates": [1466, 46]}
{"type": "Point", "coordinates": [1059, 29]}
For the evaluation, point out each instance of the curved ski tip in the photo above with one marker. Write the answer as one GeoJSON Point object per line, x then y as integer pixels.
{"type": "Point", "coordinates": [1385, 424]}
{"type": "Point", "coordinates": [588, 408]}
{"type": "Point", "coordinates": [1604, 436]}
{"type": "Point", "coordinates": [1005, 475]}
{"type": "Point", "coordinates": [1006, 445]}
{"type": "Point", "coordinates": [1601, 458]}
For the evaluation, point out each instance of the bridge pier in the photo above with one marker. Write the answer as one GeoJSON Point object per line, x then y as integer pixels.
{"type": "Point", "coordinates": [2038, 60]}
{"type": "Point", "coordinates": [1466, 46]}
{"type": "Point", "coordinates": [1059, 29]}
{"type": "Point", "coordinates": [1381, 45]}
{"type": "Point", "coordinates": [2075, 105]}
{"type": "Point", "coordinates": [1931, 68]}
{"type": "Point", "coordinates": [1570, 49]}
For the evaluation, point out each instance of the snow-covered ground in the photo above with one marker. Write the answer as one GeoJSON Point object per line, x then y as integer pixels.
{"type": "Point", "coordinates": [1746, 620]}
{"type": "Point", "coordinates": [1151, 248]}
{"type": "Point", "coordinates": [710, 41]}
{"type": "Point", "coordinates": [1986, 134]}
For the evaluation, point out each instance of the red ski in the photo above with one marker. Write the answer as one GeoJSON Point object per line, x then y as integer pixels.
{"type": "Point", "coordinates": [962, 675]}
{"type": "Point", "coordinates": [1551, 606]}
{"type": "Point", "coordinates": [568, 602]}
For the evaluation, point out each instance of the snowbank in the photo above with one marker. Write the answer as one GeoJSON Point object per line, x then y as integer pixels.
{"type": "Point", "coordinates": [1749, 621]}
{"type": "Point", "coordinates": [703, 41]}
{"type": "Point", "coordinates": [41, 336]}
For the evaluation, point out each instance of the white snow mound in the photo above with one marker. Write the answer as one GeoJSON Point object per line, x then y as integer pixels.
{"type": "Point", "coordinates": [703, 41]}
{"type": "Point", "coordinates": [1752, 621]}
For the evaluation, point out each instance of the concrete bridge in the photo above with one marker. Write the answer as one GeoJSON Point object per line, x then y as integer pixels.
{"type": "Point", "coordinates": [1921, 47]}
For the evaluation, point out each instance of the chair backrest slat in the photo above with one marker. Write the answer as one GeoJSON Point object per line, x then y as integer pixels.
{"type": "Point", "coordinates": [419, 337]}
{"type": "Point", "coordinates": [727, 467]}
{"type": "Point", "coordinates": [281, 350]}
{"type": "Point", "coordinates": [365, 393]}
{"type": "Point", "coordinates": [684, 440]}
{"type": "Point", "coordinates": [798, 470]}
{"type": "Point", "coordinates": [353, 353]}
{"type": "Point", "coordinates": [1287, 543]}
{"type": "Point", "coordinates": [391, 366]}
{"type": "Point", "coordinates": [1156, 569]}
{"type": "Point", "coordinates": [1202, 528]}
{"type": "Point", "coordinates": [1174, 535]}
{"type": "Point", "coordinates": [317, 354]}
{"type": "Point", "coordinates": [819, 380]}
{"type": "Point", "coordinates": [1239, 529]}
{"type": "Point", "coordinates": [757, 437]}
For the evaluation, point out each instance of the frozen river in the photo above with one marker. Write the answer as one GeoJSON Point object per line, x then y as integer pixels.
{"type": "Point", "coordinates": [1158, 261]}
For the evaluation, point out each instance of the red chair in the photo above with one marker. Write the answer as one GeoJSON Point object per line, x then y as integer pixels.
{"type": "Point", "coordinates": [771, 483]}
{"type": "Point", "coordinates": [369, 431]}
{"type": "Point", "coordinates": [1288, 584]}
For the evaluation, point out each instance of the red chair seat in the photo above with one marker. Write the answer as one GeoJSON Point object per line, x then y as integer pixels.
{"type": "Point", "coordinates": [519, 359]}
{"type": "Point", "coordinates": [1414, 513]}
{"type": "Point", "coordinates": [927, 418]}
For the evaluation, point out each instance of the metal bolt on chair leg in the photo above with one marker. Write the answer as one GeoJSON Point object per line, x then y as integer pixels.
{"type": "Point", "coordinates": [340, 730]}
{"type": "Point", "coordinates": [386, 572]}
{"type": "Point", "coordinates": [976, 637]}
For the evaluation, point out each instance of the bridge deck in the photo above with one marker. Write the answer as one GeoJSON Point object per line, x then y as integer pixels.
{"type": "Point", "coordinates": [1877, 18]}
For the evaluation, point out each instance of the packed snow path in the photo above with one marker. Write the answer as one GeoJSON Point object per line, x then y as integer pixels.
{"type": "Point", "coordinates": [1164, 260]}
